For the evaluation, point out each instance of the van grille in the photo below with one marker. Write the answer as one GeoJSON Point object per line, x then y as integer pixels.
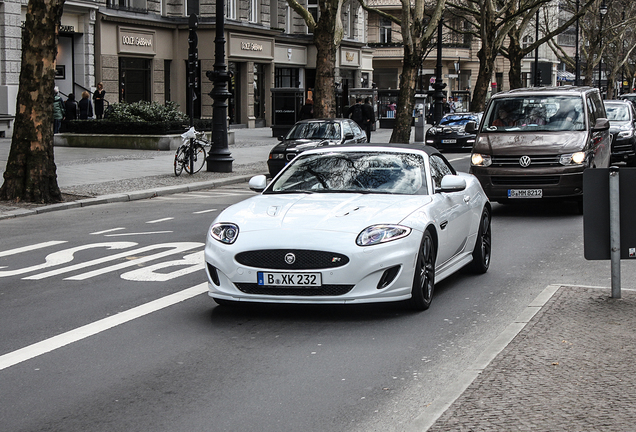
{"type": "Point", "coordinates": [536, 161]}
{"type": "Point", "coordinates": [525, 180]}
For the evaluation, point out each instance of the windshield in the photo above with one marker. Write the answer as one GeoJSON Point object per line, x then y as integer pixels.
{"type": "Point", "coordinates": [535, 113]}
{"type": "Point", "coordinates": [617, 112]}
{"type": "Point", "coordinates": [315, 130]}
{"type": "Point", "coordinates": [457, 120]}
{"type": "Point", "coordinates": [355, 172]}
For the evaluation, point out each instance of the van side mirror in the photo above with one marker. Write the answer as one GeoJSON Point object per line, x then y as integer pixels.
{"type": "Point", "coordinates": [471, 127]}
{"type": "Point", "coordinates": [601, 124]}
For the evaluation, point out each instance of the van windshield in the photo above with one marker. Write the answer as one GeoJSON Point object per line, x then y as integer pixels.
{"type": "Point", "coordinates": [535, 114]}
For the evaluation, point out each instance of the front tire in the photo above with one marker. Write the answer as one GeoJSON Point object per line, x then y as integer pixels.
{"type": "Point", "coordinates": [179, 161]}
{"type": "Point", "coordinates": [198, 159]}
{"type": "Point", "coordinates": [483, 244]}
{"type": "Point", "coordinates": [424, 279]}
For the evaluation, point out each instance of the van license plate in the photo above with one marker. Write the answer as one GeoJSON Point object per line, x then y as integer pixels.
{"type": "Point", "coordinates": [525, 193]}
{"type": "Point", "coordinates": [289, 279]}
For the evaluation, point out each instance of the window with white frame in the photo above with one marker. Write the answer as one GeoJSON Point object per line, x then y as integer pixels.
{"type": "Point", "coordinates": [252, 12]}
{"type": "Point", "coordinates": [312, 7]}
{"type": "Point", "coordinates": [230, 9]}
{"type": "Point", "coordinates": [288, 20]}
{"type": "Point", "coordinates": [385, 30]}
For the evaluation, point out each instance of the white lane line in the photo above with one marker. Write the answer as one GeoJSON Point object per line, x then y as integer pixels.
{"type": "Point", "coordinates": [138, 233]}
{"type": "Point", "coordinates": [107, 231]}
{"type": "Point", "coordinates": [204, 211]}
{"type": "Point", "coordinates": [160, 220]}
{"type": "Point", "coordinates": [30, 248]}
{"type": "Point", "coordinates": [51, 344]}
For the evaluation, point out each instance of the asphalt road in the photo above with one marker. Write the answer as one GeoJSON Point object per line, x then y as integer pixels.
{"type": "Point", "coordinates": [133, 343]}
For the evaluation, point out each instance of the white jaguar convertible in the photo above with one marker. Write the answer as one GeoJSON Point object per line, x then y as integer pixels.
{"type": "Point", "coordinates": [352, 224]}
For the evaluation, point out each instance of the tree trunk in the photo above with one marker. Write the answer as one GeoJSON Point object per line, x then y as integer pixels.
{"type": "Point", "coordinates": [406, 100]}
{"type": "Point", "coordinates": [486, 64]}
{"type": "Point", "coordinates": [325, 95]}
{"type": "Point", "coordinates": [515, 57]}
{"type": "Point", "coordinates": [30, 173]}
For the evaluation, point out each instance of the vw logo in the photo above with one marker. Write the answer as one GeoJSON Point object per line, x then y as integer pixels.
{"type": "Point", "coordinates": [290, 258]}
{"type": "Point", "coordinates": [525, 161]}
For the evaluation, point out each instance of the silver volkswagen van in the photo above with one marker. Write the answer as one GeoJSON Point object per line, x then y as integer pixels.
{"type": "Point", "coordinates": [534, 143]}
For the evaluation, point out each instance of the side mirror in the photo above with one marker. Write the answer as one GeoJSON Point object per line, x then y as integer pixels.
{"type": "Point", "coordinates": [452, 183]}
{"type": "Point", "coordinates": [601, 124]}
{"type": "Point", "coordinates": [349, 136]}
{"type": "Point", "coordinates": [471, 127]}
{"type": "Point", "coordinates": [281, 138]}
{"type": "Point", "coordinates": [258, 183]}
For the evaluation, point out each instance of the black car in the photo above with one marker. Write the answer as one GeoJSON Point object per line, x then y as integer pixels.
{"type": "Point", "coordinates": [449, 133]}
{"type": "Point", "coordinates": [622, 117]}
{"type": "Point", "coordinates": [308, 134]}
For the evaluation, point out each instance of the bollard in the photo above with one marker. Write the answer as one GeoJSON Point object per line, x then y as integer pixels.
{"type": "Point", "coordinates": [615, 230]}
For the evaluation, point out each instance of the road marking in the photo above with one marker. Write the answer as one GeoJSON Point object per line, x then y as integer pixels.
{"type": "Point", "coordinates": [30, 248]}
{"type": "Point", "coordinates": [160, 220]}
{"type": "Point", "coordinates": [204, 211]}
{"type": "Point", "coordinates": [59, 341]}
{"type": "Point", "coordinates": [107, 231]}
{"type": "Point", "coordinates": [138, 233]}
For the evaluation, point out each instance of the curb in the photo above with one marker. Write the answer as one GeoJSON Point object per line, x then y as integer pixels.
{"type": "Point", "coordinates": [128, 196]}
{"type": "Point", "coordinates": [433, 411]}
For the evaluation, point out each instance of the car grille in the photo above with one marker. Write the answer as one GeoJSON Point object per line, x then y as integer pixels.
{"type": "Point", "coordinates": [537, 161]}
{"type": "Point", "coordinates": [625, 146]}
{"type": "Point", "coordinates": [325, 290]}
{"type": "Point", "coordinates": [524, 180]}
{"type": "Point", "coordinates": [304, 259]}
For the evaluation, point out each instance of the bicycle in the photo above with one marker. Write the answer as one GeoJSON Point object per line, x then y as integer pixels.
{"type": "Point", "coordinates": [191, 153]}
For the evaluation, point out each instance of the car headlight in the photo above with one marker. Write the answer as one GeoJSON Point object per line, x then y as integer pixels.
{"type": "Point", "coordinates": [478, 159]}
{"type": "Point", "coordinates": [276, 155]}
{"type": "Point", "coordinates": [572, 158]}
{"type": "Point", "coordinates": [376, 234]}
{"type": "Point", "coordinates": [626, 134]}
{"type": "Point", "coordinates": [224, 232]}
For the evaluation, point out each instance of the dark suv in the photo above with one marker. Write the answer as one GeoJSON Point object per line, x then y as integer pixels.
{"type": "Point", "coordinates": [622, 117]}
{"type": "Point", "coordinates": [534, 143]}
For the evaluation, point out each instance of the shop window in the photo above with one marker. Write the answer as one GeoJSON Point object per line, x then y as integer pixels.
{"type": "Point", "coordinates": [134, 79]}
{"type": "Point", "coordinates": [287, 77]}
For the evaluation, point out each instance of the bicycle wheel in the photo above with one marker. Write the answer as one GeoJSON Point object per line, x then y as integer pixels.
{"type": "Point", "coordinates": [198, 159]}
{"type": "Point", "coordinates": [179, 160]}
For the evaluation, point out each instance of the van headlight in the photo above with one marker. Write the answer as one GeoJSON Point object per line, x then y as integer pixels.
{"type": "Point", "coordinates": [572, 158]}
{"type": "Point", "coordinates": [478, 159]}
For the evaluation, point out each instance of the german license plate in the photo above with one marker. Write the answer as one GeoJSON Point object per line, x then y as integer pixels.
{"type": "Point", "coordinates": [449, 141]}
{"type": "Point", "coordinates": [525, 193]}
{"type": "Point", "coordinates": [289, 279]}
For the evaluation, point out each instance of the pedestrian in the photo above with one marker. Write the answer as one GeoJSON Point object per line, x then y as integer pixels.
{"type": "Point", "coordinates": [85, 106]}
{"type": "Point", "coordinates": [356, 113]}
{"type": "Point", "coordinates": [98, 97]}
{"type": "Point", "coordinates": [370, 117]}
{"type": "Point", "coordinates": [71, 110]}
{"type": "Point", "coordinates": [58, 110]}
{"type": "Point", "coordinates": [307, 110]}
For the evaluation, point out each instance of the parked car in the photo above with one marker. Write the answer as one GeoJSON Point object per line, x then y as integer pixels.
{"type": "Point", "coordinates": [535, 143]}
{"type": "Point", "coordinates": [622, 117]}
{"type": "Point", "coordinates": [450, 134]}
{"type": "Point", "coordinates": [350, 224]}
{"type": "Point", "coordinates": [308, 134]}
{"type": "Point", "coordinates": [629, 97]}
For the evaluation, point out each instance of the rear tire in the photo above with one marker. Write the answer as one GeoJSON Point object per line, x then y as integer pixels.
{"type": "Point", "coordinates": [424, 279]}
{"type": "Point", "coordinates": [483, 244]}
{"type": "Point", "coordinates": [198, 159]}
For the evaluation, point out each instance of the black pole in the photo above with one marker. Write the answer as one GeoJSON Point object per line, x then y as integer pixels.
{"type": "Point", "coordinates": [577, 64]}
{"type": "Point", "coordinates": [438, 86]}
{"type": "Point", "coordinates": [537, 82]}
{"type": "Point", "coordinates": [219, 159]}
{"type": "Point", "coordinates": [600, 52]}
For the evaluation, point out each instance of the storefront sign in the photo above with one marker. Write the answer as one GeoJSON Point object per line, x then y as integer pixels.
{"type": "Point", "coordinates": [251, 46]}
{"type": "Point", "coordinates": [241, 45]}
{"type": "Point", "coordinates": [136, 41]}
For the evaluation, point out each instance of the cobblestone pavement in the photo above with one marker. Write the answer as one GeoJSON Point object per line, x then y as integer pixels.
{"type": "Point", "coordinates": [571, 368]}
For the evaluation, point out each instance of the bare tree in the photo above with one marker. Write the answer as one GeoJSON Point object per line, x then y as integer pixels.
{"type": "Point", "coordinates": [417, 31]}
{"type": "Point", "coordinates": [30, 172]}
{"type": "Point", "coordinates": [328, 33]}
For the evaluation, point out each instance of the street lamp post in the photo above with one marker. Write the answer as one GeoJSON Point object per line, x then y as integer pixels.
{"type": "Point", "coordinates": [603, 11]}
{"type": "Point", "coordinates": [438, 86]}
{"type": "Point", "coordinates": [219, 159]}
{"type": "Point", "coordinates": [537, 73]}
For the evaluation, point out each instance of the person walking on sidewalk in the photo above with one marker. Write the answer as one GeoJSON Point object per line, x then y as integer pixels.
{"type": "Point", "coordinates": [58, 110]}
{"type": "Point", "coordinates": [85, 106]}
{"type": "Point", "coordinates": [370, 117]}
{"type": "Point", "coordinates": [356, 113]}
